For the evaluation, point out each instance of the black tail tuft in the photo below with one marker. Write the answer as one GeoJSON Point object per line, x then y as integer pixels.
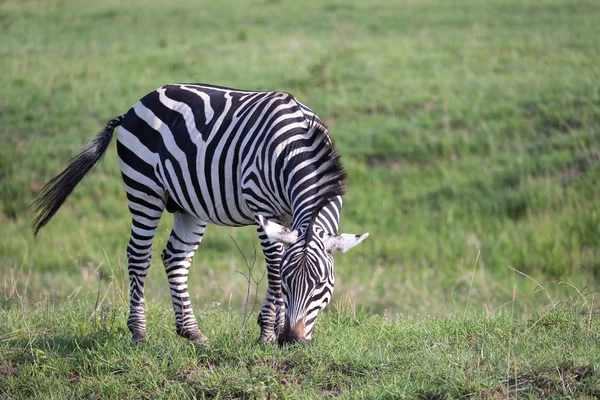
{"type": "Point", "coordinates": [55, 192]}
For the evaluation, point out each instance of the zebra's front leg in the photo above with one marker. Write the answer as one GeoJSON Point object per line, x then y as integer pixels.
{"type": "Point", "coordinates": [272, 314]}
{"type": "Point", "coordinates": [177, 257]}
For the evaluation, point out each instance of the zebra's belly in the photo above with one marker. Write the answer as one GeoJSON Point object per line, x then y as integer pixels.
{"type": "Point", "coordinates": [220, 205]}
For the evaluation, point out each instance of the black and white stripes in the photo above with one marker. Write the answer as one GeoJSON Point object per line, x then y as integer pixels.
{"type": "Point", "coordinates": [229, 157]}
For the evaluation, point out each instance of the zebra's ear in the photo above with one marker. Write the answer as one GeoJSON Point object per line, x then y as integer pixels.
{"type": "Point", "coordinates": [278, 233]}
{"type": "Point", "coordinates": [343, 241]}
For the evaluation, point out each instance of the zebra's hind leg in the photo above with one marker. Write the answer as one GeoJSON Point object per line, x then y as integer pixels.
{"type": "Point", "coordinates": [177, 257]}
{"type": "Point", "coordinates": [143, 227]}
{"type": "Point", "coordinates": [272, 314]}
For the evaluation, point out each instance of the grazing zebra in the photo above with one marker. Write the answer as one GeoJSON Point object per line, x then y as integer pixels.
{"type": "Point", "coordinates": [229, 157]}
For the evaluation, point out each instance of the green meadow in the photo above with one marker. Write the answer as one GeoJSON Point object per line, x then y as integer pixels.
{"type": "Point", "coordinates": [470, 132]}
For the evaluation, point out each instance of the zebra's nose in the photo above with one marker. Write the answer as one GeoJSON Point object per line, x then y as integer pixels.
{"type": "Point", "coordinates": [292, 333]}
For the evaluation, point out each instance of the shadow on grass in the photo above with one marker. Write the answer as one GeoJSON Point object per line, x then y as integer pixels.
{"type": "Point", "coordinates": [564, 380]}
{"type": "Point", "coordinates": [36, 345]}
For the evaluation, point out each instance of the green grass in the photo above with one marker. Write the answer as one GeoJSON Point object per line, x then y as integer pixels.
{"type": "Point", "coordinates": [60, 351]}
{"type": "Point", "coordinates": [465, 129]}
{"type": "Point", "coordinates": [469, 129]}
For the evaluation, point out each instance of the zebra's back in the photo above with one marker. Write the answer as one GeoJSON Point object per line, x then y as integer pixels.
{"type": "Point", "coordinates": [207, 150]}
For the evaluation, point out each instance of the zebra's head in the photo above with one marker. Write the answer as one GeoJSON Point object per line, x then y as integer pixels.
{"type": "Point", "coordinates": [307, 276]}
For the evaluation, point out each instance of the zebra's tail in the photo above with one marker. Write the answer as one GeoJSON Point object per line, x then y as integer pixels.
{"type": "Point", "coordinates": [55, 192]}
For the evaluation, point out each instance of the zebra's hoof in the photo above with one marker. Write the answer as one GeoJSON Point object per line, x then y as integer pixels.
{"type": "Point", "coordinates": [193, 335]}
{"type": "Point", "coordinates": [266, 339]}
{"type": "Point", "coordinates": [139, 336]}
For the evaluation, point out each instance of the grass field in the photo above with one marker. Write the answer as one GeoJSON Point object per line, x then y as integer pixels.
{"type": "Point", "coordinates": [66, 352]}
{"type": "Point", "coordinates": [470, 133]}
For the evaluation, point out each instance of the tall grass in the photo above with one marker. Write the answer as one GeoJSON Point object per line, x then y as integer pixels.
{"type": "Point", "coordinates": [83, 349]}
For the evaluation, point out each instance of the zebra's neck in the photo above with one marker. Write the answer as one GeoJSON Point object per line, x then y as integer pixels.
{"type": "Point", "coordinates": [304, 172]}
{"type": "Point", "coordinates": [326, 218]}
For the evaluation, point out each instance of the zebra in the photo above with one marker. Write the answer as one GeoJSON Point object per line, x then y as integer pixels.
{"type": "Point", "coordinates": [212, 154]}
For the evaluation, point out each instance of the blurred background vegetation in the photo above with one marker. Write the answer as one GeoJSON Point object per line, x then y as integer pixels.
{"type": "Point", "coordinates": [470, 132]}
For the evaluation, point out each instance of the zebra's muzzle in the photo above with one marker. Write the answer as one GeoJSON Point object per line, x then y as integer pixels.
{"type": "Point", "coordinates": [292, 333]}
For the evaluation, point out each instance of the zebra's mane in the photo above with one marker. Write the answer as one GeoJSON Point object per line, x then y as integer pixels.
{"type": "Point", "coordinates": [332, 182]}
